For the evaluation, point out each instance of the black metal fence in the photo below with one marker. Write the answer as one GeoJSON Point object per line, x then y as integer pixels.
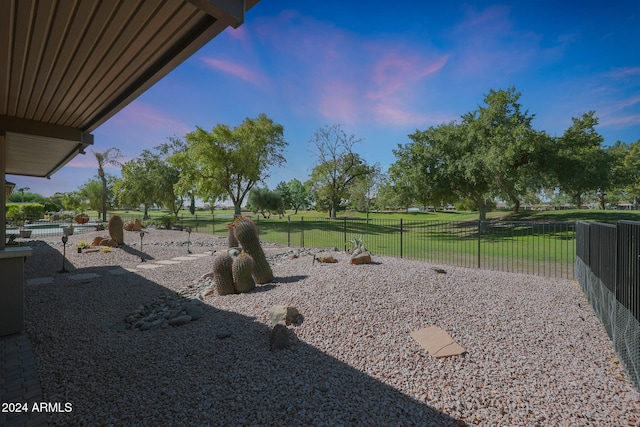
{"type": "Point", "coordinates": [544, 249]}
{"type": "Point", "coordinates": [608, 269]}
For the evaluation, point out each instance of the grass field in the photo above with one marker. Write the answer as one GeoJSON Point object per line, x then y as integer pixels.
{"type": "Point", "coordinates": [534, 242]}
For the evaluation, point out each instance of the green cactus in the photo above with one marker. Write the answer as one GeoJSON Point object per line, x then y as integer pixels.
{"type": "Point", "coordinates": [231, 239]}
{"type": "Point", "coordinates": [116, 229]}
{"type": "Point", "coordinates": [222, 274]}
{"type": "Point", "coordinates": [242, 273]}
{"type": "Point", "coordinates": [247, 234]}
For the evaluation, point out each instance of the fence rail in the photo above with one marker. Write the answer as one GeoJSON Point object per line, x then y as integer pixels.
{"type": "Point", "coordinates": [608, 269]}
{"type": "Point", "coordinates": [544, 249]}
{"type": "Point", "coordinates": [539, 248]}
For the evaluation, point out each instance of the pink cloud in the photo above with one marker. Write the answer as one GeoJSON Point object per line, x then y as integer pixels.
{"type": "Point", "coordinates": [236, 70]}
{"type": "Point", "coordinates": [621, 121]}
{"type": "Point", "coordinates": [624, 72]}
{"type": "Point", "coordinates": [345, 77]}
{"type": "Point", "coordinates": [138, 114]}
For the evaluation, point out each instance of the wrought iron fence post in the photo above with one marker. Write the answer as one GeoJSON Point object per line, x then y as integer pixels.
{"type": "Point", "coordinates": [288, 230]}
{"type": "Point", "coordinates": [479, 237]}
{"type": "Point", "coordinates": [302, 231]}
{"type": "Point", "coordinates": [401, 238]}
{"type": "Point", "coordinates": [344, 232]}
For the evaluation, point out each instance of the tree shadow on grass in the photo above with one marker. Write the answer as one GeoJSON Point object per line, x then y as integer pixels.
{"type": "Point", "coordinates": [167, 376]}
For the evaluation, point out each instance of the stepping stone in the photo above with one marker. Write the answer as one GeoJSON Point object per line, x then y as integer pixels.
{"type": "Point", "coordinates": [148, 266]}
{"type": "Point", "coordinates": [40, 281]}
{"type": "Point", "coordinates": [437, 342]}
{"type": "Point", "coordinates": [183, 258]}
{"type": "Point", "coordinates": [120, 270]}
{"type": "Point", "coordinates": [167, 262]}
{"type": "Point", "coordinates": [84, 276]}
{"type": "Point", "coordinates": [198, 255]}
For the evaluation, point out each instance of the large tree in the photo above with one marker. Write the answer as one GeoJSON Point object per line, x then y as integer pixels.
{"type": "Point", "coordinates": [149, 180]}
{"type": "Point", "coordinates": [581, 164]}
{"type": "Point", "coordinates": [229, 162]}
{"type": "Point", "coordinates": [631, 164]}
{"type": "Point", "coordinates": [337, 166]}
{"type": "Point", "coordinates": [492, 152]}
{"type": "Point", "coordinates": [111, 157]}
{"type": "Point", "coordinates": [298, 195]}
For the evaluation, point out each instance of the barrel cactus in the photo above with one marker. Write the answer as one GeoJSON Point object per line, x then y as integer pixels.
{"type": "Point", "coordinates": [247, 234]}
{"type": "Point", "coordinates": [222, 274]}
{"type": "Point", "coordinates": [242, 273]}
{"type": "Point", "coordinates": [116, 229]}
{"type": "Point", "coordinates": [231, 239]}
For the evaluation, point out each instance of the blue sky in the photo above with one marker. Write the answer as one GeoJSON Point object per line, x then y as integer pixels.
{"type": "Point", "coordinates": [383, 70]}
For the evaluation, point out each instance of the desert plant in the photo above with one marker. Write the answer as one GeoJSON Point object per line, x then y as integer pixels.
{"type": "Point", "coordinates": [242, 273]}
{"type": "Point", "coordinates": [233, 242]}
{"type": "Point", "coordinates": [106, 249]}
{"type": "Point", "coordinates": [82, 244]}
{"type": "Point", "coordinates": [222, 274]}
{"type": "Point", "coordinates": [116, 229]}
{"type": "Point", "coordinates": [247, 234]}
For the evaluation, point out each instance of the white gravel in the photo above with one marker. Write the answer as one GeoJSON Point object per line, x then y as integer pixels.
{"type": "Point", "coordinates": [536, 352]}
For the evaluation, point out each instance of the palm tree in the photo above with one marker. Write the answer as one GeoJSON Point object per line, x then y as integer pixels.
{"type": "Point", "coordinates": [109, 157]}
{"type": "Point", "coordinates": [22, 190]}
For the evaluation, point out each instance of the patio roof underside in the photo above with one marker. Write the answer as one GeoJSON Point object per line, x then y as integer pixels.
{"type": "Point", "coordinates": [67, 66]}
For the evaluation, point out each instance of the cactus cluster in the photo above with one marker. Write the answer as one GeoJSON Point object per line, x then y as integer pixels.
{"type": "Point", "coordinates": [238, 273]}
{"type": "Point", "coordinates": [247, 234]}
{"type": "Point", "coordinates": [223, 275]}
{"type": "Point", "coordinates": [242, 270]}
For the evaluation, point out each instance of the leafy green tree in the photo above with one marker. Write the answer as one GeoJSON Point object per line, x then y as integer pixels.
{"type": "Point", "coordinates": [631, 165]}
{"type": "Point", "coordinates": [285, 194]}
{"type": "Point", "coordinates": [337, 166]}
{"type": "Point", "coordinates": [298, 195]}
{"type": "Point", "coordinates": [70, 201]}
{"type": "Point", "coordinates": [108, 157]}
{"type": "Point", "coordinates": [492, 152]}
{"type": "Point", "coordinates": [365, 189]}
{"type": "Point", "coordinates": [91, 195]}
{"type": "Point", "coordinates": [265, 201]}
{"type": "Point", "coordinates": [150, 180]}
{"type": "Point", "coordinates": [581, 164]}
{"type": "Point", "coordinates": [229, 162]}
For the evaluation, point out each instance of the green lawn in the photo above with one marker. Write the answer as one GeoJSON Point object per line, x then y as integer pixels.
{"type": "Point", "coordinates": [535, 242]}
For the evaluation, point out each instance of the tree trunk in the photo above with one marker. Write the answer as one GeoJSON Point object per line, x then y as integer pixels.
{"type": "Point", "coordinates": [104, 199]}
{"type": "Point", "coordinates": [237, 210]}
{"type": "Point", "coordinates": [516, 206]}
{"type": "Point", "coordinates": [146, 212]}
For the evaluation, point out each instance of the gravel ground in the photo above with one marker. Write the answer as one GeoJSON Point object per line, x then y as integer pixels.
{"type": "Point", "coordinates": [536, 352]}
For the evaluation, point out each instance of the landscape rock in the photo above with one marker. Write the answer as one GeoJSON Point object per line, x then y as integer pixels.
{"type": "Point", "coordinates": [180, 320]}
{"type": "Point", "coordinates": [362, 258]}
{"type": "Point", "coordinates": [283, 315]}
{"type": "Point", "coordinates": [195, 311]}
{"type": "Point", "coordinates": [279, 337]}
{"type": "Point", "coordinates": [326, 258]}
{"type": "Point", "coordinates": [222, 334]}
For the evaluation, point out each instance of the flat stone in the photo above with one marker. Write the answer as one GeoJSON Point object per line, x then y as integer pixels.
{"type": "Point", "coordinates": [145, 326]}
{"type": "Point", "coordinates": [167, 262]}
{"type": "Point", "coordinates": [149, 266]}
{"type": "Point", "coordinates": [198, 255]}
{"type": "Point", "coordinates": [40, 281]}
{"type": "Point", "coordinates": [183, 258]}
{"type": "Point", "coordinates": [84, 276]}
{"type": "Point", "coordinates": [180, 320]}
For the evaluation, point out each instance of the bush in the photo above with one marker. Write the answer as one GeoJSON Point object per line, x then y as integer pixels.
{"type": "Point", "coordinates": [165, 221]}
{"type": "Point", "coordinates": [20, 212]}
